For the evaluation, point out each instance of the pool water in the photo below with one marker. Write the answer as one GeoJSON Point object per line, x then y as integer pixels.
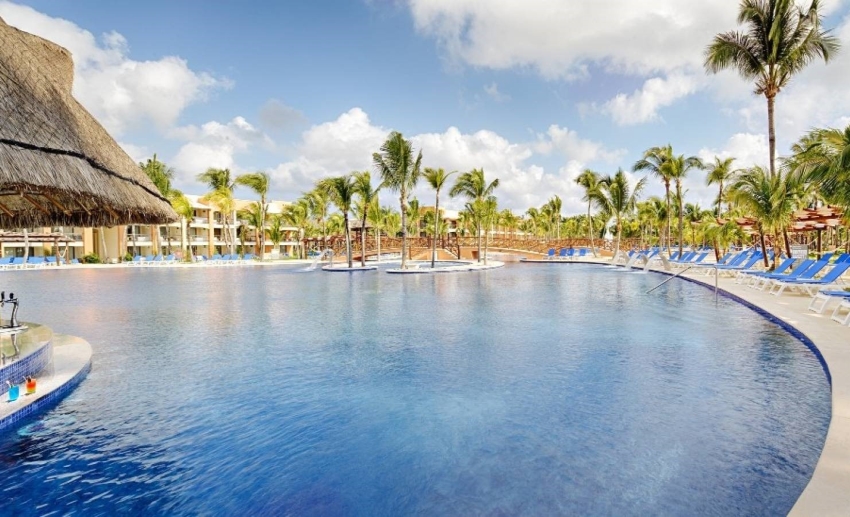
{"type": "Point", "coordinates": [527, 390]}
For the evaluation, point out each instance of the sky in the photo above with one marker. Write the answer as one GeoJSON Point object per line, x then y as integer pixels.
{"type": "Point", "coordinates": [532, 91]}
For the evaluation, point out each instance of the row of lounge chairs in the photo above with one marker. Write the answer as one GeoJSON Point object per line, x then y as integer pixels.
{"type": "Point", "coordinates": [10, 263]}
{"type": "Point", "coordinates": [170, 260]}
{"type": "Point", "coordinates": [566, 253]}
{"type": "Point", "coordinates": [226, 260]}
{"type": "Point", "coordinates": [153, 260]}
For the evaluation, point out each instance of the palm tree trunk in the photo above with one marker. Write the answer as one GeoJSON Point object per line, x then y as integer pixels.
{"type": "Point", "coordinates": [378, 243]}
{"type": "Point", "coordinates": [363, 240]}
{"type": "Point", "coordinates": [478, 229]}
{"type": "Point", "coordinates": [590, 230]}
{"type": "Point", "coordinates": [347, 240]}
{"type": "Point", "coordinates": [681, 215]}
{"type": "Point", "coordinates": [403, 203]}
{"type": "Point", "coordinates": [436, 229]}
{"type": "Point", "coordinates": [26, 245]}
{"type": "Point", "coordinates": [720, 200]}
{"type": "Point", "coordinates": [763, 248]}
{"type": "Point", "coordinates": [667, 193]}
{"type": "Point", "coordinates": [771, 130]}
{"type": "Point", "coordinates": [787, 241]}
{"type": "Point", "coordinates": [619, 232]}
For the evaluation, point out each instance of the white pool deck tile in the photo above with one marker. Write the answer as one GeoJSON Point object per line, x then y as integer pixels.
{"type": "Point", "coordinates": [71, 355]}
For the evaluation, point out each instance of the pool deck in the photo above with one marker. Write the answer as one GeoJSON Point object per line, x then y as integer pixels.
{"type": "Point", "coordinates": [71, 363]}
{"type": "Point", "coordinates": [828, 492]}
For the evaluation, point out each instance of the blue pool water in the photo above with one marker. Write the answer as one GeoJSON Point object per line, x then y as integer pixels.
{"type": "Point", "coordinates": [528, 390]}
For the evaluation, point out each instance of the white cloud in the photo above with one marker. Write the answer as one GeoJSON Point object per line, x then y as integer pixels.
{"type": "Point", "coordinates": [492, 90]}
{"type": "Point", "coordinates": [563, 39]}
{"type": "Point", "coordinates": [748, 149]}
{"type": "Point", "coordinates": [643, 105]}
{"type": "Point", "coordinates": [337, 147]}
{"type": "Point", "coordinates": [574, 148]}
{"type": "Point", "coordinates": [215, 145]}
{"type": "Point", "coordinates": [137, 153]}
{"type": "Point", "coordinates": [347, 143]}
{"type": "Point", "coordinates": [119, 91]}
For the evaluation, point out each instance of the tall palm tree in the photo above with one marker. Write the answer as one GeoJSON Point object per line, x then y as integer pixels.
{"type": "Point", "coordinates": [654, 161]}
{"type": "Point", "coordinates": [186, 211]}
{"type": "Point", "coordinates": [376, 216]}
{"type": "Point", "coordinates": [259, 183]}
{"type": "Point", "coordinates": [276, 232]}
{"type": "Point", "coordinates": [589, 180]}
{"type": "Point", "coordinates": [719, 172]}
{"type": "Point", "coordinates": [765, 197]}
{"type": "Point", "coordinates": [341, 191]}
{"type": "Point", "coordinates": [298, 215]}
{"type": "Point", "coordinates": [161, 175]}
{"type": "Point", "coordinates": [413, 217]}
{"type": "Point", "coordinates": [555, 206]}
{"type": "Point", "coordinates": [253, 215]}
{"type": "Point", "coordinates": [823, 157]}
{"type": "Point", "coordinates": [474, 187]}
{"type": "Point", "coordinates": [437, 179]}
{"type": "Point", "coordinates": [617, 199]}
{"type": "Point", "coordinates": [221, 187]}
{"type": "Point", "coordinates": [779, 41]}
{"type": "Point", "coordinates": [678, 167]}
{"type": "Point", "coordinates": [399, 172]}
{"type": "Point", "coordinates": [368, 197]}
{"type": "Point", "coordinates": [318, 203]}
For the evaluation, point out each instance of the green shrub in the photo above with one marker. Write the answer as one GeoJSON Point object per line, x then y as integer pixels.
{"type": "Point", "coordinates": [128, 257]}
{"type": "Point", "coordinates": [91, 258]}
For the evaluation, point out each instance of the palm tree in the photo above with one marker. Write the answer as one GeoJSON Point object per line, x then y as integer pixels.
{"type": "Point", "coordinates": [719, 172]}
{"type": "Point", "coordinates": [376, 216]}
{"type": "Point", "coordinates": [341, 191]}
{"type": "Point", "coordinates": [298, 215]}
{"type": "Point", "coordinates": [253, 215]}
{"type": "Point", "coordinates": [654, 160]}
{"type": "Point", "coordinates": [473, 187]}
{"type": "Point", "coordinates": [161, 175]}
{"type": "Point", "coordinates": [823, 157]}
{"type": "Point", "coordinates": [399, 172]}
{"type": "Point", "coordinates": [617, 199]}
{"type": "Point", "coordinates": [413, 217]}
{"type": "Point", "coordinates": [276, 231]}
{"type": "Point", "coordinates": [678, 167]}
{"type": "Point", "coordinates": [318, 204]}
{"type": "Point", "coordinates": [437, 179]}
{"type": "Point", "coordinates": [780, 40]}
{"type": "Point", "coordinates": [221, 194]}
{"type": "Point", "coordinates": [186, 211]}
{"type": "Point", "coordinates": [765, 196]}
{"type": "Point", "coordinates": [368, 197]}
{"type": "Point", "coordinates": [555, 206]}
{"type": "Point", "coordinates": [259, 183]}
{"type": "Point", "coordinates": [589, 180]}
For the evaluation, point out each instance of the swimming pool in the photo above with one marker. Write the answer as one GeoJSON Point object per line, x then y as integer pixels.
{"type": "Point", "coordinates": [523, 390]}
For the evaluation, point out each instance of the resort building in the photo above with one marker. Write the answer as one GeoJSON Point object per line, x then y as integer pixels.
{"type": "Point", "coordinates": [205, 234]}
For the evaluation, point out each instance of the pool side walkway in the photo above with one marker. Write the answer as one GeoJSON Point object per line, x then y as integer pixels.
{"type": "Point", "coordinates": [828, 492]}
{"type": "Point", "coordinates": [71, 363]}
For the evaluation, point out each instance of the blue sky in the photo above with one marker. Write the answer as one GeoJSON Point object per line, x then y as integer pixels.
{"type": "Point", "coordinates": [533, 91]}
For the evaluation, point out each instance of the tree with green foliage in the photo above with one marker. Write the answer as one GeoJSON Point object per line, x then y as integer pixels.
{"type": "Point", "coordinates": [780, 39]}
{"type": "Point", "coordinates": [474, 187]}
{"type": "Point", "coordinates": [400, 173]}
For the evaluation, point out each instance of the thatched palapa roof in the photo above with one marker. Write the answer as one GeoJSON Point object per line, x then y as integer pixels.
{"type": "Point", "coordinates": [58, 165]}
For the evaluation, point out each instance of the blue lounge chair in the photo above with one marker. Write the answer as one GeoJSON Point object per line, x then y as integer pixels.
{"type": "Point", "coordinates": [582, 252]}
{"type": "Point", "coordinates": [734, 268]}
{"type": "Point", "coordinates": [760, 280]}
{"type": "Point", "coordinates": [744, 276]}
{"type": "Point", "coordinates": [551, 253]}
{"type": "Point", "coordinates": [811, 285]}
{"type": "Point", "coordinates": [562, 253]}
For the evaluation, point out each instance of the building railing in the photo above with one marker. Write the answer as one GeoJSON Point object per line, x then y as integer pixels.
{"type": "Point", "coordinates": [200, 220]}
